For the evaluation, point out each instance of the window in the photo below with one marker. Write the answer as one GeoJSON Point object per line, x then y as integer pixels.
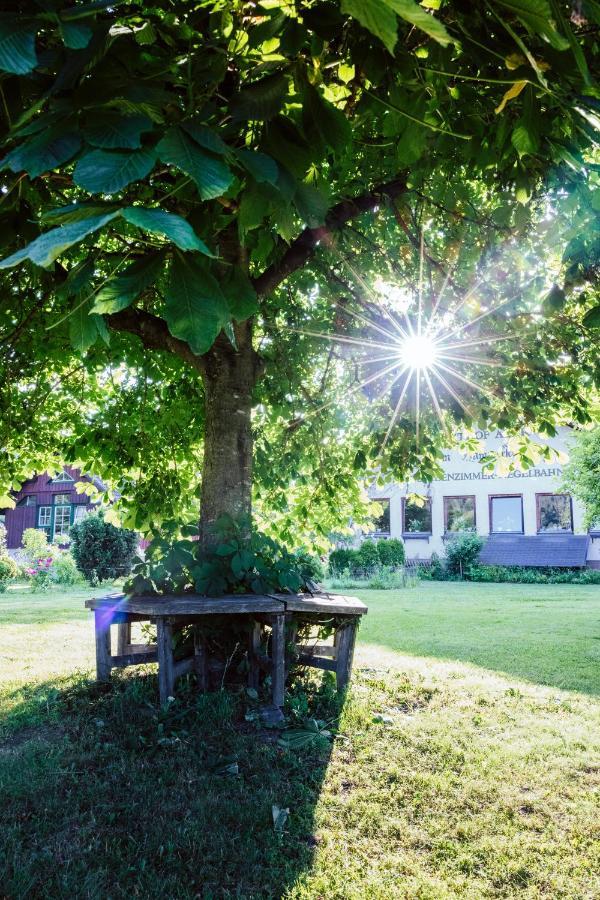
{"type": "Point", "coordinates": [554, 512]}
{"type": "Point", "coordinates": [506, 514]}
{"type": "Point", "coordinates": [62, 478]}
{"type": "Point", "coordinates": [459, 514]}
{"type": "Point", "coordinates": [417, 516]}
{"type": "Point", "coordinates": [62, 521]}
{"type": "Point", "coordinates": [80, 513]}
{"type": "Point", "coordinates": [45, 519]}
{"type": "Point", "coordinates": [382, 522]}
{"type": "Point", "coordinates": [29, 500]}
{"type": "Point", "coordinates": [62, 499]}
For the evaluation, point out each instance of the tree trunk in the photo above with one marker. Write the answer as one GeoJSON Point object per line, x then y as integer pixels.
{"type": "Point", "coordinates": [229, 378]}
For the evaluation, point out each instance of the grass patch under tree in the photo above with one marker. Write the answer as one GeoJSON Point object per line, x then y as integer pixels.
{"type": "Point", "coordinates": [443, 778]}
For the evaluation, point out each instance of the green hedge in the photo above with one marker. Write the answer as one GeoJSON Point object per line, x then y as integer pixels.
{"type": "Point", "coordinates": [541, 575]}
{"type": "Point", "coordinates": [367, 558]}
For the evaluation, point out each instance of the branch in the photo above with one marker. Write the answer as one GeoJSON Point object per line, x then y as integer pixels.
{"type": "Point", "coordinates": [154, 334]}
{"type": "Point", "coordinates": [303, 247]}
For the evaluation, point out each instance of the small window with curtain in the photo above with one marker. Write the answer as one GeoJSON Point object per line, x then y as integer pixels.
{"type": "Point", "coordinates": [506, 515]}
{"type": "Point", "coordinates": [459, 514]}
{"type": "Point", "coordinates": [554, 513]}
{"type": "Point", "coordinates": [417, 515]}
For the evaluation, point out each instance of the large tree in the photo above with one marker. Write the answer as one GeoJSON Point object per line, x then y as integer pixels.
{"type": "Point", "coordinates": [189, 185]}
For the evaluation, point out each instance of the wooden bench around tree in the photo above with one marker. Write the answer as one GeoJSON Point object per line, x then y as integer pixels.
{"type": "Point", "coordinates": [283, 614]}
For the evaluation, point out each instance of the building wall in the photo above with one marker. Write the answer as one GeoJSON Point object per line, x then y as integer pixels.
{"type": "Point", "coordinates": [463, 476]}
{"type": "Point", "coordinates": [44, 490]}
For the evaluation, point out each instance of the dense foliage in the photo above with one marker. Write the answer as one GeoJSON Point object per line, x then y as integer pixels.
{"type": "Point", "coordinates": [8, 568]}
{"type": "Point", "coordinates": [102, 551]}
{"type": "Point", "coordinates": [582, 474]}
{"type": "Point", "coordinates": [531, 575]}
{"type": "Point", "coordinates": [369, 556]}
{"type": "Point", "coordinates": [187, 184]}
{"type": "Point", "coordinates": [237, 564]}
{"type": "Point", "coordinates": [462, 552]}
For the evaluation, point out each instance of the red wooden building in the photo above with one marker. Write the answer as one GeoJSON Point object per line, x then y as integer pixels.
{"type": "Point", "coordinates": [50, 503]}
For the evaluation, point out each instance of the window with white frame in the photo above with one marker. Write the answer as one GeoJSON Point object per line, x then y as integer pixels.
{"type": "Point", "coordinates": [45, 519]}
{"type": "Point", "coordinates": [63, 477]}
{"type": "Point", "coordinates": [62, 521]}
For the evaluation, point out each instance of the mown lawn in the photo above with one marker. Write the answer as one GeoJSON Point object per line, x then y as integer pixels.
{"type": "Point", "coordinates": [460, 766]}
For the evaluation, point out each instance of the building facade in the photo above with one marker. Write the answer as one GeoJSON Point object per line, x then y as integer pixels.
{"type": "Point", "coordinates": [50, 503]}
{"type": "Point", "coordinates": [524, 515]}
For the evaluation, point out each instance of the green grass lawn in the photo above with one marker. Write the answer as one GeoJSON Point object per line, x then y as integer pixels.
{"type": "Point", "coordinates": [465, 762]}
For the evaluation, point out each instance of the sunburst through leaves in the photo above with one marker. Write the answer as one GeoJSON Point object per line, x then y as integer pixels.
{"type": "Point", "coordinates": [424, 348]}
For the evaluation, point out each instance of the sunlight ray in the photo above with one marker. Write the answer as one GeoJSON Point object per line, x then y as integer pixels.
{"type": "Point", "coordinates": [342, 339]}
{"type": "Point", "coordinates": [396, 412]}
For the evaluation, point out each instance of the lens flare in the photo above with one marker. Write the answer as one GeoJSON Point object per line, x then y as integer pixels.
{"type": "Point", "coordinates": [418, 351]}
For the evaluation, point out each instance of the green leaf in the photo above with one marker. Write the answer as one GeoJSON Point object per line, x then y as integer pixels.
{"type": "Point", "coordinates": [17, 49]}
{"type": "Point", "coordinates": [77, 212]}
{"type": "Point", "coordinates": [111, 131]}
{"type": "Point", "coordinates": [75, 37]}
{"type": "Point", "coordinates": [206, 137]}
{"type": "Point", "coordinates": [523, 140]}
{"type": "Point", "coordinates": [212, 177]}
{"type": "Point", "coordinates": [312, 204]}
{"type": "Point", "coordinates": [83, 327]}
{"type": "Point", "coordinates": [173, 227]}
{"type": "Point", "coordinates": [85, 10]}
{"type": "Point", "coordinates": [102, 172]}
{"type": "Point", "coordinates": [196, 309]}
{"type": "Point", "coordinates": [44, 152]}
{"type": "Point", "coordinates": [146, 34]}
{"type": "Point", "coordinates": [323, 121]}
{"type": "Point", "coordinates": [414, 14]}
{"type": "Point", "coordinates": [261, 100]}
{"type": "Point", "coordinates": [260, 166]}
{"type": "Point", "coordinates": [120, 292]}
{"type": "Point", "coordinates": [240, 295]}
{"type": "Point", "coordinates": [536, 15]}
{"type": "Point", "coordinates": [77, 279]}
{"type": "Point", "coordinates": [49, 246]}
{"type": "Point", "coordinates": [554, 301]}
{"type": "Point", "coordinates": [253, 208]}
{"type": "Point", "coordinates": [376, 17]}
{"type": "Point", "coordinates": [592, 318]}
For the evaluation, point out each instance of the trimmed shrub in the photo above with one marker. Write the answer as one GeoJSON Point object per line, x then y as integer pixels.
{"type": "Point", "coordinates": [100, 550]}
{"type": "Point", "coordinates": [534, 575]}
{"type": "Point", "coordinates": [341, 559]}
{"type": "Point", "coordinates": [367, 555]}
{"type": "Point", "coordinates": [462, 552]}
{"type": "Point", "coordinates": [391, 552]}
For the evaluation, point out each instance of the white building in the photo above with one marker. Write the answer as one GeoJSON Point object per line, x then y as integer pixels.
{"type": "Point", "coordinates": [525, 515]}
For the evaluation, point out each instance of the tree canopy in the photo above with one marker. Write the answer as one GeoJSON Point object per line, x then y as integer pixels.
{"type": "Point", "coordinates": [190, 187]}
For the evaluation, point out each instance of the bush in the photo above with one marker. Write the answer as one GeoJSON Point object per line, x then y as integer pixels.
{"type": "Point", "coordinates": [531, 575]}
{"type": "Point", "coordinates": [391, 552]}
{"type": "Point", "coordinates": [8, 568]}
{"type": "Point", "coordinates": [436, 568]}
{"type": "Point", "coordinates": [235, 565]}
{"type": "Point", "coordinates": [36, 546]}
{"type": "Point", "coordinates": [341, 559]}
{"type": "Point", "coordinates": [64, 569]}
{"type": "Point", "coordinates": [100, 550]}
{"type": "Point", "coordinates": [367, 556]}
{"type": "Point", "coordinates": [462, 553]}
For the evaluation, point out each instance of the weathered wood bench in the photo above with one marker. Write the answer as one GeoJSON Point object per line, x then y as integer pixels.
{"type": "Point", "coordinates": [284, 614]}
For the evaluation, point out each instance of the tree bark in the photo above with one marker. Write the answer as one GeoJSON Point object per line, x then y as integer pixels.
{"type": "Point", "coordinates": [229, 377]}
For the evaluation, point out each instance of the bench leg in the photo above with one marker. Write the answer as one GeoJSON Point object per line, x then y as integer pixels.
{"type": "Point", "coordinates": [254, 648]}
{"type": "Point", "coordinates": [103, 654]}
{"type": "Point", "coordinates": [123, 638]}
{"type": "Point", "coordinates": [278, 654]}
{"type": "Point", "coordinates": [200, 661]}
{"type": "Point", "coordinates": [345, 640]}
{"type": "Point", "coordinates": [166, 675]}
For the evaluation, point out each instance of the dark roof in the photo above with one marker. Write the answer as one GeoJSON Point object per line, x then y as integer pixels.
{"type": "Point", "coordinates": [556, 550]}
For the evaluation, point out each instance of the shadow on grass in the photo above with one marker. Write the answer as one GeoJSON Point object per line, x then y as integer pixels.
{"type": "Point", "coordinates": [103, 795]}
